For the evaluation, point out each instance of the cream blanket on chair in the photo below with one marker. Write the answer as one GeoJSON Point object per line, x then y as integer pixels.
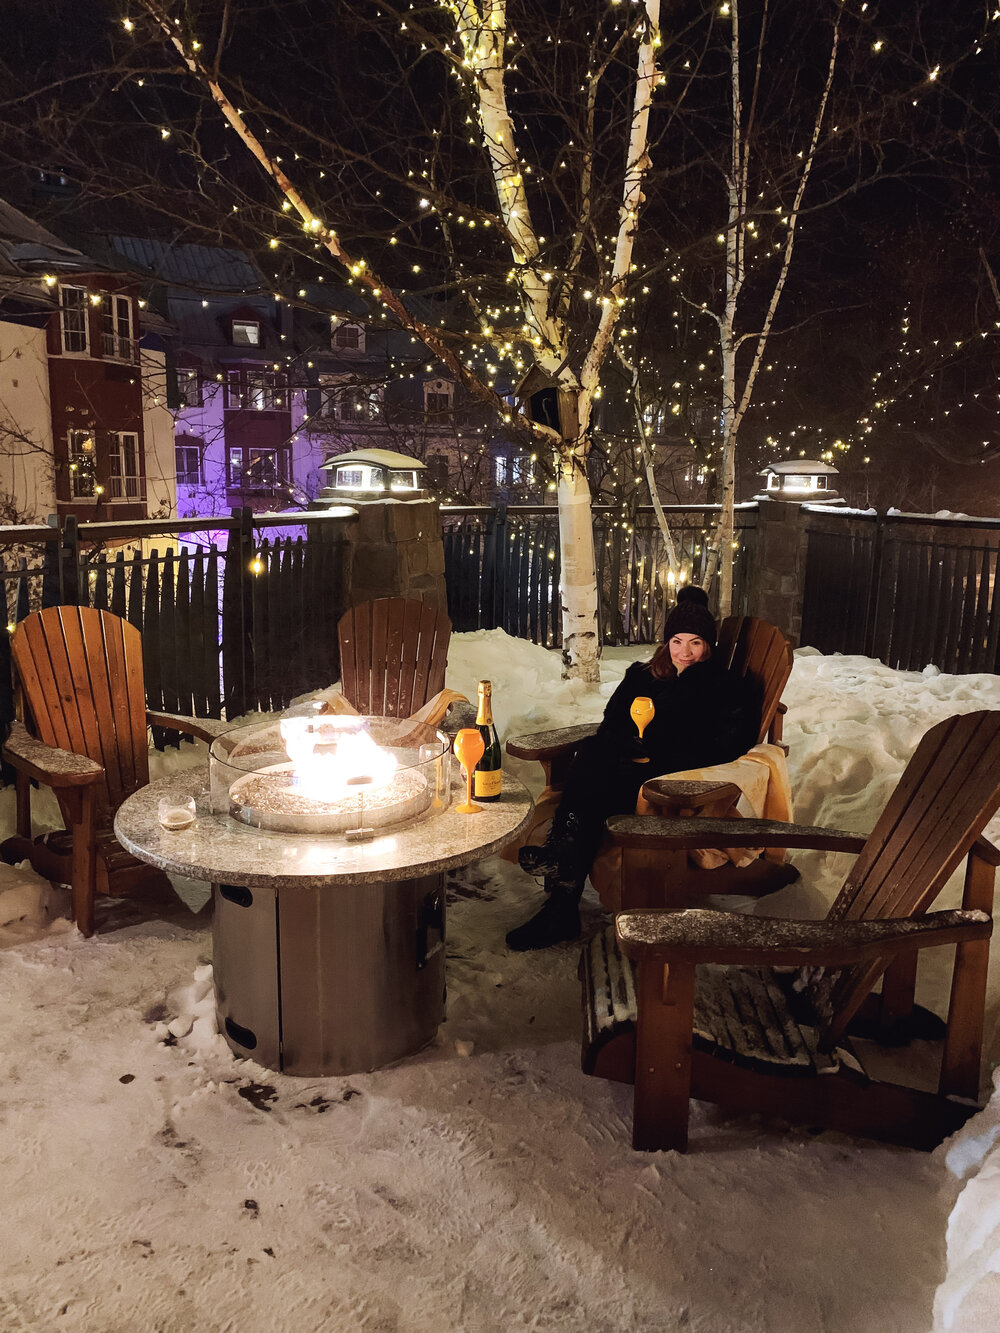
{"type": "Point", "coordinates": [762, 776]}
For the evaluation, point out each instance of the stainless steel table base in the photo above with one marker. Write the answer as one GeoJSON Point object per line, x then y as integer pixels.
{"type": "Point", "coordinates": [331, 979]}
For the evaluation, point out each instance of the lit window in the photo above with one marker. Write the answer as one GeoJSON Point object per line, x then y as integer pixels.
{"type": "Point", "coordinates": [82, 460]}
{"type": "Point", "coordinates": [524, 470]}
{"type": "Point", "coordinates": [246, 333]}
{"type": "Point", "coordinates": [501, 468]}
{"type": "Point", "coordinates": [123, 460]}
{"type": "Point", "coordinates": [117, 338]}
{"type": "Point", "coordinates": [73, 318]}
{"type": "Point", "coordinates": [773, 481]}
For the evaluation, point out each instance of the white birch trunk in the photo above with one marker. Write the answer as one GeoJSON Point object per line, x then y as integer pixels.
{"type": "Point", "coordinates": [735, 402]}
{"type": "Point", "coordinates": [482, 30]}
{"type": "Point", "coordinates": [481, 26]}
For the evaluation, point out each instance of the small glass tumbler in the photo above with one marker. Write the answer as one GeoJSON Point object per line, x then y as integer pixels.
{"type": "Point", "coordinates": [176, 811]}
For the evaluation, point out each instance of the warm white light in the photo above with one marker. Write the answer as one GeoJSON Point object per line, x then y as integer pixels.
{"type": "Point", "coordinates": [332, 757]}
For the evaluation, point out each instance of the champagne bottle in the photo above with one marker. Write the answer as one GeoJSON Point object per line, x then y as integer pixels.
{"type": "Point", "coordinates": [487, 780]}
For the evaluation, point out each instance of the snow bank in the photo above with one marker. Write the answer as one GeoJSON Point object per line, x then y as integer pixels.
{"type": "Point", "coordinates": [152, 1181]}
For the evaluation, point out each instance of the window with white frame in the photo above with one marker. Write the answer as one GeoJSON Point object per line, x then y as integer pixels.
{"type": "Point", "coordinates": [524, 470]}
{"type": "Point", "coordinates": [73, 318]}
{"type": "Point", "coordinates": [123, 466]}
{"type": "Point", "coordinates": [256, 390]}
{"type": "Point", "coordinates": [256, 469]}
{"type": "Point", "coordinates": [501, 469]}
{"type": "Point", "coordinates": [347, 402]}
{"type": "Point", "coordinates": [246, 332]}
{"type": "Point", "coordinates": [438, 397]}
{"type": "Point", "coordinates": [347, 337]}
{"type": "Point", "coordinates": [82, 453]}
{"type": "Point", "coordinates": [190, 389]}
{"type": "Point", "coordinates": [117, 334]}
{"type": "Point", "coordinates": [189, 452]}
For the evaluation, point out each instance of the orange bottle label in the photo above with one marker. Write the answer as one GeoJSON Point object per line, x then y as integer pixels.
{"type": "Point", "coordinates": [488, 783]}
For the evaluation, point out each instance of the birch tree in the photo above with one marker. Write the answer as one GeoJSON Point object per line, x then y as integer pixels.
{"type": "Point", "coordinates": [569, 358]}
{"type": "Point", "coordinates": [737, 394]}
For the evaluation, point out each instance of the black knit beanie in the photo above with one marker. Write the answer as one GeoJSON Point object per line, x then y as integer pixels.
{"type": "Point", "coordinates": [691, 616]}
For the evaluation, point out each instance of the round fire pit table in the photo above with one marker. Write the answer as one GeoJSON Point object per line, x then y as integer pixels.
{"type": "Point", "coordinates": [328, 955]}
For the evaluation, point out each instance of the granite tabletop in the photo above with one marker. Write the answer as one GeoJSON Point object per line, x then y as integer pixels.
{"type": "Point", "coordinates": [222, 850]}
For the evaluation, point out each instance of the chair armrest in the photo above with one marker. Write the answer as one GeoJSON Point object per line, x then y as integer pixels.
{"type": "Point", "coordinates": [651, 831]}
{"type": "Point", "coordinates": [546, 745]}
{"type": "Point", "coordinates": [204, 728]}
{"type": "Point", "coordinates": [698, 935]}
{"type": "Point", "coordinates": [47, 763]}
{"type": "Point", "coordinates": [434, 709]}
{"type": "Point", "coordinates": [681, 797]}
{"type": "Point", "coordinates": [985, 850]}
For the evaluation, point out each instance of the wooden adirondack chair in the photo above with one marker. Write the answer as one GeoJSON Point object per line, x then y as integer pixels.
{"type": "Point", "coordinates": [755, 649]}
{"type": "Point", "coordinates": [704, 1014]}
{"type": "Point", "coordinates": [81, 693]}
{"type": "Point", "coordinates": [393, 655]}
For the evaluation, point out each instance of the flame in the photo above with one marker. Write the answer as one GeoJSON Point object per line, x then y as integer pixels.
{"type": "Point", "coordinates": [333, 757]}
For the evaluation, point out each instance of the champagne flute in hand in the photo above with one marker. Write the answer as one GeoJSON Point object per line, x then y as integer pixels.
{"type": "Point", "coordinates": [469, 749]}
{"type": "Point", "coordinates": [641, 713]}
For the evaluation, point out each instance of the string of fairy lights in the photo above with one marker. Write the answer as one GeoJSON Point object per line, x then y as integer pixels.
{"type": "Point", "coordinates": [506, 337]}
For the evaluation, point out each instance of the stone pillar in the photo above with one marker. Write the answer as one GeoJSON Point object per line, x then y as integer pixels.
{"type": "Point", "coordinates": [396, 551]}
{"type": "Point", "coordinates": [778, 584]}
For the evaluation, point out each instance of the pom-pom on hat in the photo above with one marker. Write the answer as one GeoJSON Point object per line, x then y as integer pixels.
{"type": "Point", "coordinates": [691, 616]}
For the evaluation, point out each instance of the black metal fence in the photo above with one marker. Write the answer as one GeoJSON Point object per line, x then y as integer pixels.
{"type": "Point", "coordinates": [502, 568]}
{"type": "Point", "coordinates": [908, 590]}
{"type": "Point", "coordinates": [231, 619]}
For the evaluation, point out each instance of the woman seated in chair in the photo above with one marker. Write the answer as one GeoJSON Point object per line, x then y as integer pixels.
{"type": "Point", "coordinates": [704, 714]}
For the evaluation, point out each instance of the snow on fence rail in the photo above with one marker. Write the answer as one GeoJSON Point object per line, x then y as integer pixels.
{"type": "Point", "coordinates": [232, 619]}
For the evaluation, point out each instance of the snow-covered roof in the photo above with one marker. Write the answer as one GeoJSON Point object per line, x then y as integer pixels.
{"type": "Point", "coordinates": [800, 466]}
{"type": "Point", "coordinates": [378, 457]}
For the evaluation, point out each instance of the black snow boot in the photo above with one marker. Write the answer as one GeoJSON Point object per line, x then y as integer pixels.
{"type": "Point", "coordinates": [557, 920]}
{"type": "Point", "coordinates": [553, 853]}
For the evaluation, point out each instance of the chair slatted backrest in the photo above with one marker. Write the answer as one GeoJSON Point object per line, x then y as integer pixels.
{"type": "Point", "coordinates": [81, 678]}
{"type": "Point", "coordinates": [759, 651]}
{"type": "Point", "coordinates": [393, 655]}
{"type": "Point", "coordinates": [946, 796]}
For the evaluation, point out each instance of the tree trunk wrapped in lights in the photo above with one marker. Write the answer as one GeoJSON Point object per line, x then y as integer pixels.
{"type": "Point", "coordinates": [482, 30]}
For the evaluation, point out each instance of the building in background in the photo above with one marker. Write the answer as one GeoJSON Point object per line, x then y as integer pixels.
{"type": "Point", "coordinates": [84, 424]}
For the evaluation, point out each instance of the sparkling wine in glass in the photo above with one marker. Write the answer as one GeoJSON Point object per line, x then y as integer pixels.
{"type": "Point", "coordinates": [641, 713]}
{"type": "Point", "coordinates": [469, 749]}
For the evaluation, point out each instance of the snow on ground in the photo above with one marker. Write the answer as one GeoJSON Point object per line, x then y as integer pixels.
{"type": "Point", "coordinates": [151, 1181]}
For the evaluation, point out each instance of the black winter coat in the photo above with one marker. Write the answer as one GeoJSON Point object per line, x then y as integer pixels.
{"type": "Point", "coordinates": [706, 715]}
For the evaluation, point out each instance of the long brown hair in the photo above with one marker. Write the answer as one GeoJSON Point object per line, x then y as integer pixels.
{"type": "Point", "coordinates": [660, 665]}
